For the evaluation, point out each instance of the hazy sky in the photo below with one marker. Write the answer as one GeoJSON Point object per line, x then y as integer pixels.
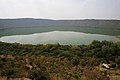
{"type": "Point", "coordinates": [60, 9]}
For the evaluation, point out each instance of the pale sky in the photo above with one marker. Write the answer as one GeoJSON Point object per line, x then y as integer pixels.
{"type": "Point", "coordinates": [60, 9]}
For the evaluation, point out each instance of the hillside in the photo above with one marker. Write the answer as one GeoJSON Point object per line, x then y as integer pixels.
{"type": "Point", "coordinates": [60, 62]}
{"type": "Point", "coordinates": [30, 22]}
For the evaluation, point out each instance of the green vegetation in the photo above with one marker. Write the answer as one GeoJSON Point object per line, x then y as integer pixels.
{"type": "Point", "coordinates": [31, 30]}
{"type": "Point", "coordinates": [60, 62]}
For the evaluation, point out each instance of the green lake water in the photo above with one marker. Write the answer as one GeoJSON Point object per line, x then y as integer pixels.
{"type": "Point", "coordinates": [53, 37]}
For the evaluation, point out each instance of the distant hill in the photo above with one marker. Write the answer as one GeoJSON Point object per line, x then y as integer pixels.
{"type": "Point", "coordinates": [30, 22]}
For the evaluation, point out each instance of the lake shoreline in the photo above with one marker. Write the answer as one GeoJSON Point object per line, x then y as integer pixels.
{"type": "Point", "coordinates": [61, 37]}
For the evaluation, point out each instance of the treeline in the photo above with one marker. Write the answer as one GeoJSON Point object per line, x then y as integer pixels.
{"type": "Point", "coordinates": [48, 60]}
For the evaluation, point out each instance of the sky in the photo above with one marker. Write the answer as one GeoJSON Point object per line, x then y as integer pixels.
{"type": "Point", "coordinates": [60, 9]}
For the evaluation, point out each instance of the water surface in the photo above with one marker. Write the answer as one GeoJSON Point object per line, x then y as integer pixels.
{"type": "Point", "coordinates": [53, 37]}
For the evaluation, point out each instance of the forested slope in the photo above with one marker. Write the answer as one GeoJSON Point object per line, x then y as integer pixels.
{"type": "Point", "coordinates": [63, 62]}
{"type": "Point", "coordinates": [30, 22]}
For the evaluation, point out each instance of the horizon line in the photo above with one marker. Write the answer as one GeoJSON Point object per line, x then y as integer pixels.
{"type": "Point", "coordinates": [61, 19]}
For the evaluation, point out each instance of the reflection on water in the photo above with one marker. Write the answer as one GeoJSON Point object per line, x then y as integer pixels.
{"type": "Point", "coordinates": [62, 37]}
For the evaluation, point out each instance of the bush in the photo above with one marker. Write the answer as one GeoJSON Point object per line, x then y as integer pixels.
{"type": "Point", "coordinates": [35, 74]}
